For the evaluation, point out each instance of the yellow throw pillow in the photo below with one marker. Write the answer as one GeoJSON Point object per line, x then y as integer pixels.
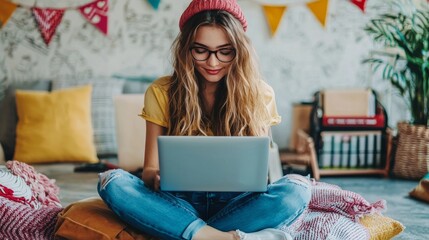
{"type": "Point", "coordinates": [381, 227]}
{"type": "Point", "coordinates": [55, 126]}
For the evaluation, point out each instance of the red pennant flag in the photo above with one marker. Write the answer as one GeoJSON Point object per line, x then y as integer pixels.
{"type": "Point", "coordinates": [48, 20]}
{"type": "Point", "coordinates": [360, 3]}
{"type": "Point", "coordinates": [96, 13]}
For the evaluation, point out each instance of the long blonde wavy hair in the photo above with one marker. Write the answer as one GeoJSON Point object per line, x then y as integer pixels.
{"type": "Point", "coordinates": [239, 108]}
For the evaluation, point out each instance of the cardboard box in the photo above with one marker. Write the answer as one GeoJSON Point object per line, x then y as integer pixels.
{"type": "Point", "coordinates": [300, 120]}
{"type": "Point", "coordinates": [348, 103]}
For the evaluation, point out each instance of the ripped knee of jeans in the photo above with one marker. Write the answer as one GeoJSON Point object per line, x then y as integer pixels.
{"type": "Point", "coordinates": [299, 179]}
{"type": "Point", "coordinates": [107, 177]}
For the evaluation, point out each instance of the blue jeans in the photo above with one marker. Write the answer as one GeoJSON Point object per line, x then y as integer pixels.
{"type": "Point", "coordinates": [179, 215]}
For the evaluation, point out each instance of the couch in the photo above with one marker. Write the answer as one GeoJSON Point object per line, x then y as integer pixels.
{"type": "Point", "coordinates": [105, 93]}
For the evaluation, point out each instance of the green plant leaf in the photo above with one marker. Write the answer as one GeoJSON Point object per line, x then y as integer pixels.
{"type": "Point", "coordinates": [407, 28]}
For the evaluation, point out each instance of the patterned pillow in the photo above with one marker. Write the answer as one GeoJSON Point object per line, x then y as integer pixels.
{"type": "Point", "coordinates": [43, 189]}
{"type": "Point", "coordinates": [15, 189]}
{"type": "Point", "coordinates": [102, 110]}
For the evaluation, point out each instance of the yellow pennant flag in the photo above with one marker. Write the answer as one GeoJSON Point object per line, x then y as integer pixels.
{"type": "Point", "coordinates": [319, 9]}
{"type": "Point", "coordinates": [6, 10]}
{"type": "Point", "coordinates": [274, 15]}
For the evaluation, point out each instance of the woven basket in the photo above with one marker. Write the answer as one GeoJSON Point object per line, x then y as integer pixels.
{"type": "Point", "coordinates": [412, 153]}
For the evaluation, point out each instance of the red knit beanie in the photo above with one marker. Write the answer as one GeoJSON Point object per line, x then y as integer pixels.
{"type": "Point", "coordinates": [197, 6]}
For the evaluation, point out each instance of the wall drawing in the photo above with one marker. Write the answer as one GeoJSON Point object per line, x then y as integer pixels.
{"type": "Point", "coordinates": [302, 58]}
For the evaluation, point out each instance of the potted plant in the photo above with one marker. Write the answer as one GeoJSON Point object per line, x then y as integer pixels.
{"type": "Point", "coordinates": [406, 31]}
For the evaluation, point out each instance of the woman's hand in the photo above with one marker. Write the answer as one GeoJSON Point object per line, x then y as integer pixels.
{"type": "Point", "coordinates": [151, 178]}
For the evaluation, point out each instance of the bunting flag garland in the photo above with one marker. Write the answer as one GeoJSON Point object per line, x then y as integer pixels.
{"type": "Point", "coordinates": [48, 20]}
{"type": "Point", "coordinates": [320, 10]}
{"type": "Point", "coordinates": [360, 3]}
{"type": "Point", "coordinates": [6, 10]}
{"type": "Point", "coordinates": [274, 12]}
{"type": "Point", "coordinates": [154, 3]}
{"type": "Point", "coordinates": [274, 15]}
{"type": "Point", "coordinates": [96, 13]}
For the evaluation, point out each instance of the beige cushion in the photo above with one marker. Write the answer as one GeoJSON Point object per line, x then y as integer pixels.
{"type": "Point", "coordinates": [130, 130]}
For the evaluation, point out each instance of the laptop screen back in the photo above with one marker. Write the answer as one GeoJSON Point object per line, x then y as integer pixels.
{"type": "Point", "coordinates": [201, 163]}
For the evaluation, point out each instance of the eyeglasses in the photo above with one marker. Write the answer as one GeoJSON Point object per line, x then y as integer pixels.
{"type": "Point", "coordinates": [224, 55]}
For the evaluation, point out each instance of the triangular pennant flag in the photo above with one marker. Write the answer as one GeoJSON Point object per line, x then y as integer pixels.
{"type": "Point", "coordinates": [154, 3]}
{"type": "Point", "coordinates": [48, 20]}
{"type": "Point", "coordinates": [6, 11]}
{"type": "Point", "coordinates": [274, 15]}
{"type": "Point", "coordinates": [319, 9]}
{"type": "Point", "coordinates": [360, 3]}
{"type": "Point", "coordinates": [96, 13]}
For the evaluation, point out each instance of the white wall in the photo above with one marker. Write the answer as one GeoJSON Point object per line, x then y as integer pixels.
{"type": "Point", "coordinates": [302, 58]}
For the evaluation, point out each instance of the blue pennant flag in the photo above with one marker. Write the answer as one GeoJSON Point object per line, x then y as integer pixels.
{"type": "Point", "coordinates": [154, 3]}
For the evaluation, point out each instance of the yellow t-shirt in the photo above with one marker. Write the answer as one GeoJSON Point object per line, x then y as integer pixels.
{"type": "Point", "coordinates": [156, 102]}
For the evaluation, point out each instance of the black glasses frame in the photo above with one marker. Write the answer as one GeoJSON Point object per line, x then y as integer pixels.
{"type": "Point", "coordinates": [215, 53]}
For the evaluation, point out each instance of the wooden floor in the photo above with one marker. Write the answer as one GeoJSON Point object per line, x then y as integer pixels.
{"type": "Point", "coordinates": [412, 213]}
{"type": "Point", "coordinates": [73, 186]}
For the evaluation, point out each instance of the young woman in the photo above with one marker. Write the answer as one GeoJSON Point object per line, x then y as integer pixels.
{"type": "Point", "coordinates": [215, 89]}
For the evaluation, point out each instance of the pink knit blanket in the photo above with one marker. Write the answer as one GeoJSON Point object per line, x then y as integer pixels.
{"type": "Point", "coordinates": [19, 221]}
{"type": "Point", "coordinates": [29, 203]}
{"type": "Point", "coordinates": [332, 214]}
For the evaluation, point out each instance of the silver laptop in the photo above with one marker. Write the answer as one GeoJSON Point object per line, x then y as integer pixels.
{"type": "Point", "coordinates": [213, 164]}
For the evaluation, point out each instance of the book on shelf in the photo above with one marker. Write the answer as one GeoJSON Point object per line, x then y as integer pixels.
{"type": "Point", "coordinates": [378, 121]}
{"type": "Point", "coordinates": [345, 149]}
